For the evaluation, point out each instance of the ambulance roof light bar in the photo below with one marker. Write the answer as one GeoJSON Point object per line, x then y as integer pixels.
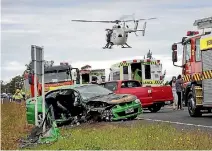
{"type": "Point", "coordinates": [203, 23]}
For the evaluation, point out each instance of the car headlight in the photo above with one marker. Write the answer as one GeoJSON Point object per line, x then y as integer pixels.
{"type": "Point", "coordinates": [138, 101]}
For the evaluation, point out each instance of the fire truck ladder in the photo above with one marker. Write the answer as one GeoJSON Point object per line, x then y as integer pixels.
{"type": "Point", "coordinates": [203, 23]}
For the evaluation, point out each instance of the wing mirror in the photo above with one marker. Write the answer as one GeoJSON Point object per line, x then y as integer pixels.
{"type": "Point", "coordinates": [174, 47]}
{"type": "Point", "coordinates": [174, 56]}
{"type": "Point", "coordinates": [30, 79]}
{"type": "Point", "coordinates": [78, 76]}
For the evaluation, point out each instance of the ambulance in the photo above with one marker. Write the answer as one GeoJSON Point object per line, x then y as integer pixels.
{"type": "Point", "coordinates": [147, 71]}
{"type": "Point", "coordinates": [87, 75]}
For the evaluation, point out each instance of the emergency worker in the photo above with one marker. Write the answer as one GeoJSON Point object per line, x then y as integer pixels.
{"type": "Point", "coordinates": [172, 83]}
{"type": "Point", "coordinates": [109, 34]}
{"type": "Point", "coordinates": [23, 94]}
{"type": "Point", "coordinates": [136, 75]}
{"type": "Point", "coordinates": [18, 96]}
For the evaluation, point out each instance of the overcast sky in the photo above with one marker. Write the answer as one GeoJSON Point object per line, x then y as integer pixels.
{"type": "Point", "coordinates": [48, 23]}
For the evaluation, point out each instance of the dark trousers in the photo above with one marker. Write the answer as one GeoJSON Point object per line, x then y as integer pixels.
{"type": "Point", "coordinates": [179, 102]}
{"type": "Point", "coordinates": [18, 101]}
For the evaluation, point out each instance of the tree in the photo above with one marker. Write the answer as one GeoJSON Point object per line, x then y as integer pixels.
{"type": "Point", "coordinates": [47, 64]}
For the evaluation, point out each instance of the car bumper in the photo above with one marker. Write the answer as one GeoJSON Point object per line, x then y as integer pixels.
{"type": "Point", "coordinates": [120, 111]}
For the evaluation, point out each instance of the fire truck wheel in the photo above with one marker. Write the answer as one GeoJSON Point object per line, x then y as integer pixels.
{"type": "Point", "coordinates": [192, 109]}
{"type": "Point", "coordinates": [154, 108]}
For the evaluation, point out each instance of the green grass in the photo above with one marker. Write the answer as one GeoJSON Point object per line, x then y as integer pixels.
{"type": "Point", "coordinates": [137, 135]}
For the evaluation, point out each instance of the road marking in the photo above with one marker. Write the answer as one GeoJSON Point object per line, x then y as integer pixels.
{"type": "Point", "coordinates": [178, 123]}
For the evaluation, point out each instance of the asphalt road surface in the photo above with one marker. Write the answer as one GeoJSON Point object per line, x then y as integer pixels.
{"type": "Point", "coordinates": [179, 118]}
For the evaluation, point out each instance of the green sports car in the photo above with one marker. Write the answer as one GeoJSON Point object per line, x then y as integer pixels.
{"type": "Point", "coordinates": [77, 103]}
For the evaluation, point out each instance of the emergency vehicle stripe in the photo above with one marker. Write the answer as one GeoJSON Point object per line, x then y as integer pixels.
{"type": "Point", "coordinates": [186, 78]}
{"type": "Point", "coordinates": [128, 63]}
{"type": "Point", "coordinates": [197, 77]}
{"type": "Point", "coordinates": [152, 82]}
{"type": "Point", "coordinates": [150, 63]}
{"type": "Point", "coordinates": [207, 74]}
{"type": "Point", "coordinates": [124, 64]}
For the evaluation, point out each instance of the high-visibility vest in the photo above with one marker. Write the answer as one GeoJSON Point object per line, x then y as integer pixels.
{"type": "Point", "coordinates": [18, 96]}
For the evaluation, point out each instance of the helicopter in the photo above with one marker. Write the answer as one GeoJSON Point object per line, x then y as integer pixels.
{"type": "Point", "coordinates": [118, 35]}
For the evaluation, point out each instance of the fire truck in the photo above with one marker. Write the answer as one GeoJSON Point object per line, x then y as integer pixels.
{"type": "Point", "coordinates": [87, 75]}
{"type": "Point", "coordinates": [197, 68]}
{"type": "Point", "coordinates": [54, 76]}
{"type": "Point", "coordinates": [147, 71]}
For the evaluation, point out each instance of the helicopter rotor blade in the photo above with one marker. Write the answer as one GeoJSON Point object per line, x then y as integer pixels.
{"type": "Point", "coordinates": [98, 21]}
{"type": "Point", "coordinates": [139, 19]}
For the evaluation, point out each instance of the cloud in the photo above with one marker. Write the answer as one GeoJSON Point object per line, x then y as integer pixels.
{"type": "Point", "coordinates": [48, 23]}
{"type": "Point", "coordinates": [13, 66]}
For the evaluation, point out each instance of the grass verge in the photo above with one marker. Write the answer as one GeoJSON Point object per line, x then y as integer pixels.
{"type": "Point", "coordinates": [13, 125]}
{"type": "Point", "coordinates": [134, 135]}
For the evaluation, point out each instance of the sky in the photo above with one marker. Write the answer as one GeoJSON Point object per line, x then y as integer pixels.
{"type": "Point", "coordinates": [48, 24]}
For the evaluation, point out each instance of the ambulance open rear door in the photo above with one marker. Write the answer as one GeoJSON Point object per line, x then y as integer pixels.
{"type": "Point", "coordinates": [125, 71]}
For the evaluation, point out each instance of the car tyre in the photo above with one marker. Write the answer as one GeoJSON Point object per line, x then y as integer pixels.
{"type": "Point", "coordinates": [154, 108]}
{"type": "Point", "coordinates": [133, 117]}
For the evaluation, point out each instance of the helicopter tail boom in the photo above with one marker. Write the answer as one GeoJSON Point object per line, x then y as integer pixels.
{"type": "Point", "coordinates": [135, 29]}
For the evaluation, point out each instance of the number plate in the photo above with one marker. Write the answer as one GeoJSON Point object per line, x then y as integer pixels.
{"type": "Point", "coordinates": [131, 110]}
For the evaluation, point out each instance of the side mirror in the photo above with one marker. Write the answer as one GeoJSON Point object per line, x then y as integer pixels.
{"type": "Point", "coordinates": [183, 39]}
{"type": "Point", "coordinates": [67, 72]}
{"type": "Point", "coordinates": [30, 79]}
{"type": "Point", "coordinates": [174, 56]}
{"type": "Point", "coordinates": [174, 47]}
{"type": "Point", "coordinates": [78, 76]}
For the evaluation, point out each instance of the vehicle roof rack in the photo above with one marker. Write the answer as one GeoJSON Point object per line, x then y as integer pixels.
{"type": "Point", "coordinates": [203, 23]}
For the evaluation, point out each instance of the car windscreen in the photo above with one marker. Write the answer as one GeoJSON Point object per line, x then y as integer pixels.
{"type": "Point", "coordinates": [90, 91]}
{"type": "Point", "coordinates": [112, 86]}
{"type": "Point", "coordinates": [55, 76]}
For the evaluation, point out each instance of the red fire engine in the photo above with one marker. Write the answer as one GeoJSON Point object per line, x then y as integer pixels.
{"type": "Point", "coordinates": [197, 68]}
{"type": "Point", "coordinates": [54, 76]}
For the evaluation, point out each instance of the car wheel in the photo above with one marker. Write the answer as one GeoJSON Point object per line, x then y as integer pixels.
{"type": "Point", "coordinates": [40, 118]}
{"type": "Point", "coordinates": [132, 118]}
{"type": "Point", "coordinates": [154, 108]}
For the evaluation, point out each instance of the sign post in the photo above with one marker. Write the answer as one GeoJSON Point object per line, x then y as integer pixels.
{"type": "Point", "coordinates": [33, 55]}
{"type": "Point", "coordinates": [37, 55]}
{"type": "Point", "coordinates": [43, 91]}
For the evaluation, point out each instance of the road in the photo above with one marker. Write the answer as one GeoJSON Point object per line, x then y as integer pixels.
{"type": "Point", "coordinates": [179, 118]}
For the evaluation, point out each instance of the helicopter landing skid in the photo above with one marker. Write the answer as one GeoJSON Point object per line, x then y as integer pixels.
{"type": "Point", "coordinates": [107, 47]}
{"type": "Point", "coordinates": [126, 47]}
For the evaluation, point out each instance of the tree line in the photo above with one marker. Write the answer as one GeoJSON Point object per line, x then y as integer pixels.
{"type": "Point", "coordinates": [17, 82]}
